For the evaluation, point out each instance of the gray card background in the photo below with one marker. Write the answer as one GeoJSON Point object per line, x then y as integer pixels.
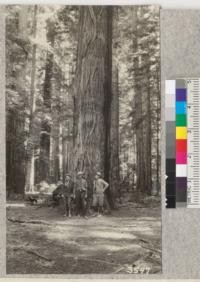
{"type": "Point", "coordinates": [2, 148]}
{"type": "Point", "coordinates": [180, 57]}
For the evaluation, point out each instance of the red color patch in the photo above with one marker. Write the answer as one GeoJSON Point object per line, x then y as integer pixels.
{"type": "Point", "coordinates": [181, 145]}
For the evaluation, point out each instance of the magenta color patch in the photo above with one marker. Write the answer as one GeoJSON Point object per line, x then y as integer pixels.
{"type": "Point", "coordinates": [181, 157]}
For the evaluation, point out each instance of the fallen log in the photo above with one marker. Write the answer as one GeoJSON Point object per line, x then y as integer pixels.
{"type": "Point", "coordinates": [38, 255]}
{"type": "Point", "coordinates": [28, 221]}
{"type": "Point", "coordinates": [29, 251]}
{"type": "Point", "coordinates": [97, 260]}
{"type": "Point", "coordinates": [147, 246]}
{"type": "Point", "coordinates": [151, 249]}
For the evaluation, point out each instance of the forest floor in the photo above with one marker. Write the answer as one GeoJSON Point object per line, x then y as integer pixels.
{"type": "Point", "coordinates": [41, 241]}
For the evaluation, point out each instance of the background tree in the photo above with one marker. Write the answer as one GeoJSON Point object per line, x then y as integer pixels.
{"type": "Point", "coordinates": [138, 56]}
{"type": "Point", "coordinates": [45, 133]}
{"type": "Point", "coordinates": [17, 55]}
{"type": "Point", "coordinates": [30, 168]}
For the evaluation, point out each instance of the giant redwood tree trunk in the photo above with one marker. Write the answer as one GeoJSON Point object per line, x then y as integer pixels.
{"type": "Point", "coordinates": [47, 95]}
{"type": "Point", "coordinates": [93, 92]}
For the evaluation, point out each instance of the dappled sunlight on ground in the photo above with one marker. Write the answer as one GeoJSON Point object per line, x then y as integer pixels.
{"type": "Point", "coordinates": [46, 242]}
{"type": "Point", "coordinates": [15, 205]}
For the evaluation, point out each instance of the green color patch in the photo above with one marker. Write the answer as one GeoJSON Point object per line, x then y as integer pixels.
{"type": "Point", "coordinates": [181, 120]}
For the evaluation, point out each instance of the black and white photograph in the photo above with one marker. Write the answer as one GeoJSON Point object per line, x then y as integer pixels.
{"type": "Point", "coordinates": [83, 122]}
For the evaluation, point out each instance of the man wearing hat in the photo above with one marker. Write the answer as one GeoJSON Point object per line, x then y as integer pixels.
{"type": "Point", "coordinates": [81, 194]}
{"type": "Point", "coordinates": [68, 194]}
{"type": "Point", "coordinates": [99, 187]}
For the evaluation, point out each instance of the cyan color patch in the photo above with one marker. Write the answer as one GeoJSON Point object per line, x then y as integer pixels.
{"type": "Point", "coordinates": [181, 108]}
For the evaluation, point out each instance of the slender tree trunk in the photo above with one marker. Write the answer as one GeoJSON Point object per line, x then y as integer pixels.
{"type": "Point", "coordinates": [60, 153]}
{"type": "Point", "coordinates": [29, 185]}
{"type": "Point", "coordinates": [141, 145]}
{"type": "Point", "coordinates": [148, 140]}
{"type": "Point", "coordinates": [114, 137]}
{"type": "Point", "coordinates": [93, 92]}
{"type": "Point", "coordinates": [157, 136]}
{"type": "Point", "coordinates": [138, 123]}
{"type": "Point", "coordinates": [54, 151]}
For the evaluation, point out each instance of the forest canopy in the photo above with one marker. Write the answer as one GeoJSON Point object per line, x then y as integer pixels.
{"type": "Point", "coordinates": [83, 93]}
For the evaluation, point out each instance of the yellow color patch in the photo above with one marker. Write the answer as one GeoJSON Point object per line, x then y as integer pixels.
{"type": "Point", "coordinates": [181, 132]}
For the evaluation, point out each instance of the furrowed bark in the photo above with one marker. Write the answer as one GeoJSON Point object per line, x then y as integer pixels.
{"type": "Point", "coordinates": [93, 92]}
{"type": "Point", "coordinates": [47, 96]}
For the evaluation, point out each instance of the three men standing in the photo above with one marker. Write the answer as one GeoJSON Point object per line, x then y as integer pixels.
{"type": "Point", "coordinates": [79, 192]}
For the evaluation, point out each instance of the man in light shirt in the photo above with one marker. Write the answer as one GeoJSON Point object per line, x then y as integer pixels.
{"type": "Point", "coordinates": [99, 187]}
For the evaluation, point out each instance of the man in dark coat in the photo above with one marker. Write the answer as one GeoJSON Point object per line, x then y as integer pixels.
{"type": "Point", "coordinates": [57, 194]}
{"type": "Point", "coordinates": [81, 194]}
{"type": "Point", "coordinates": [68, 194]}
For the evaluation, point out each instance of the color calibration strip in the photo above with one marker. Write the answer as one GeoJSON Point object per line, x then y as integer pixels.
{"type": "Point", "coordinates": [170, 120]}
{"type": "Point", "coordinates": [181, 143]}
{"type": "Point", "coordinates": [182, 115]}
{"type": "Point", "coordinates": [193, 144]}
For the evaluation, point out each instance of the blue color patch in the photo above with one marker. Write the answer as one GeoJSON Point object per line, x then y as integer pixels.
{"type": "Point", "coordinates": [181, 94]}
{"type": "Point", "coordinates": [181, 108]}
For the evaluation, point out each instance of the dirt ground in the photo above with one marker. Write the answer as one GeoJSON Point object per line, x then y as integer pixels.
{"type": "Point", "coordinates": [41, 241]}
